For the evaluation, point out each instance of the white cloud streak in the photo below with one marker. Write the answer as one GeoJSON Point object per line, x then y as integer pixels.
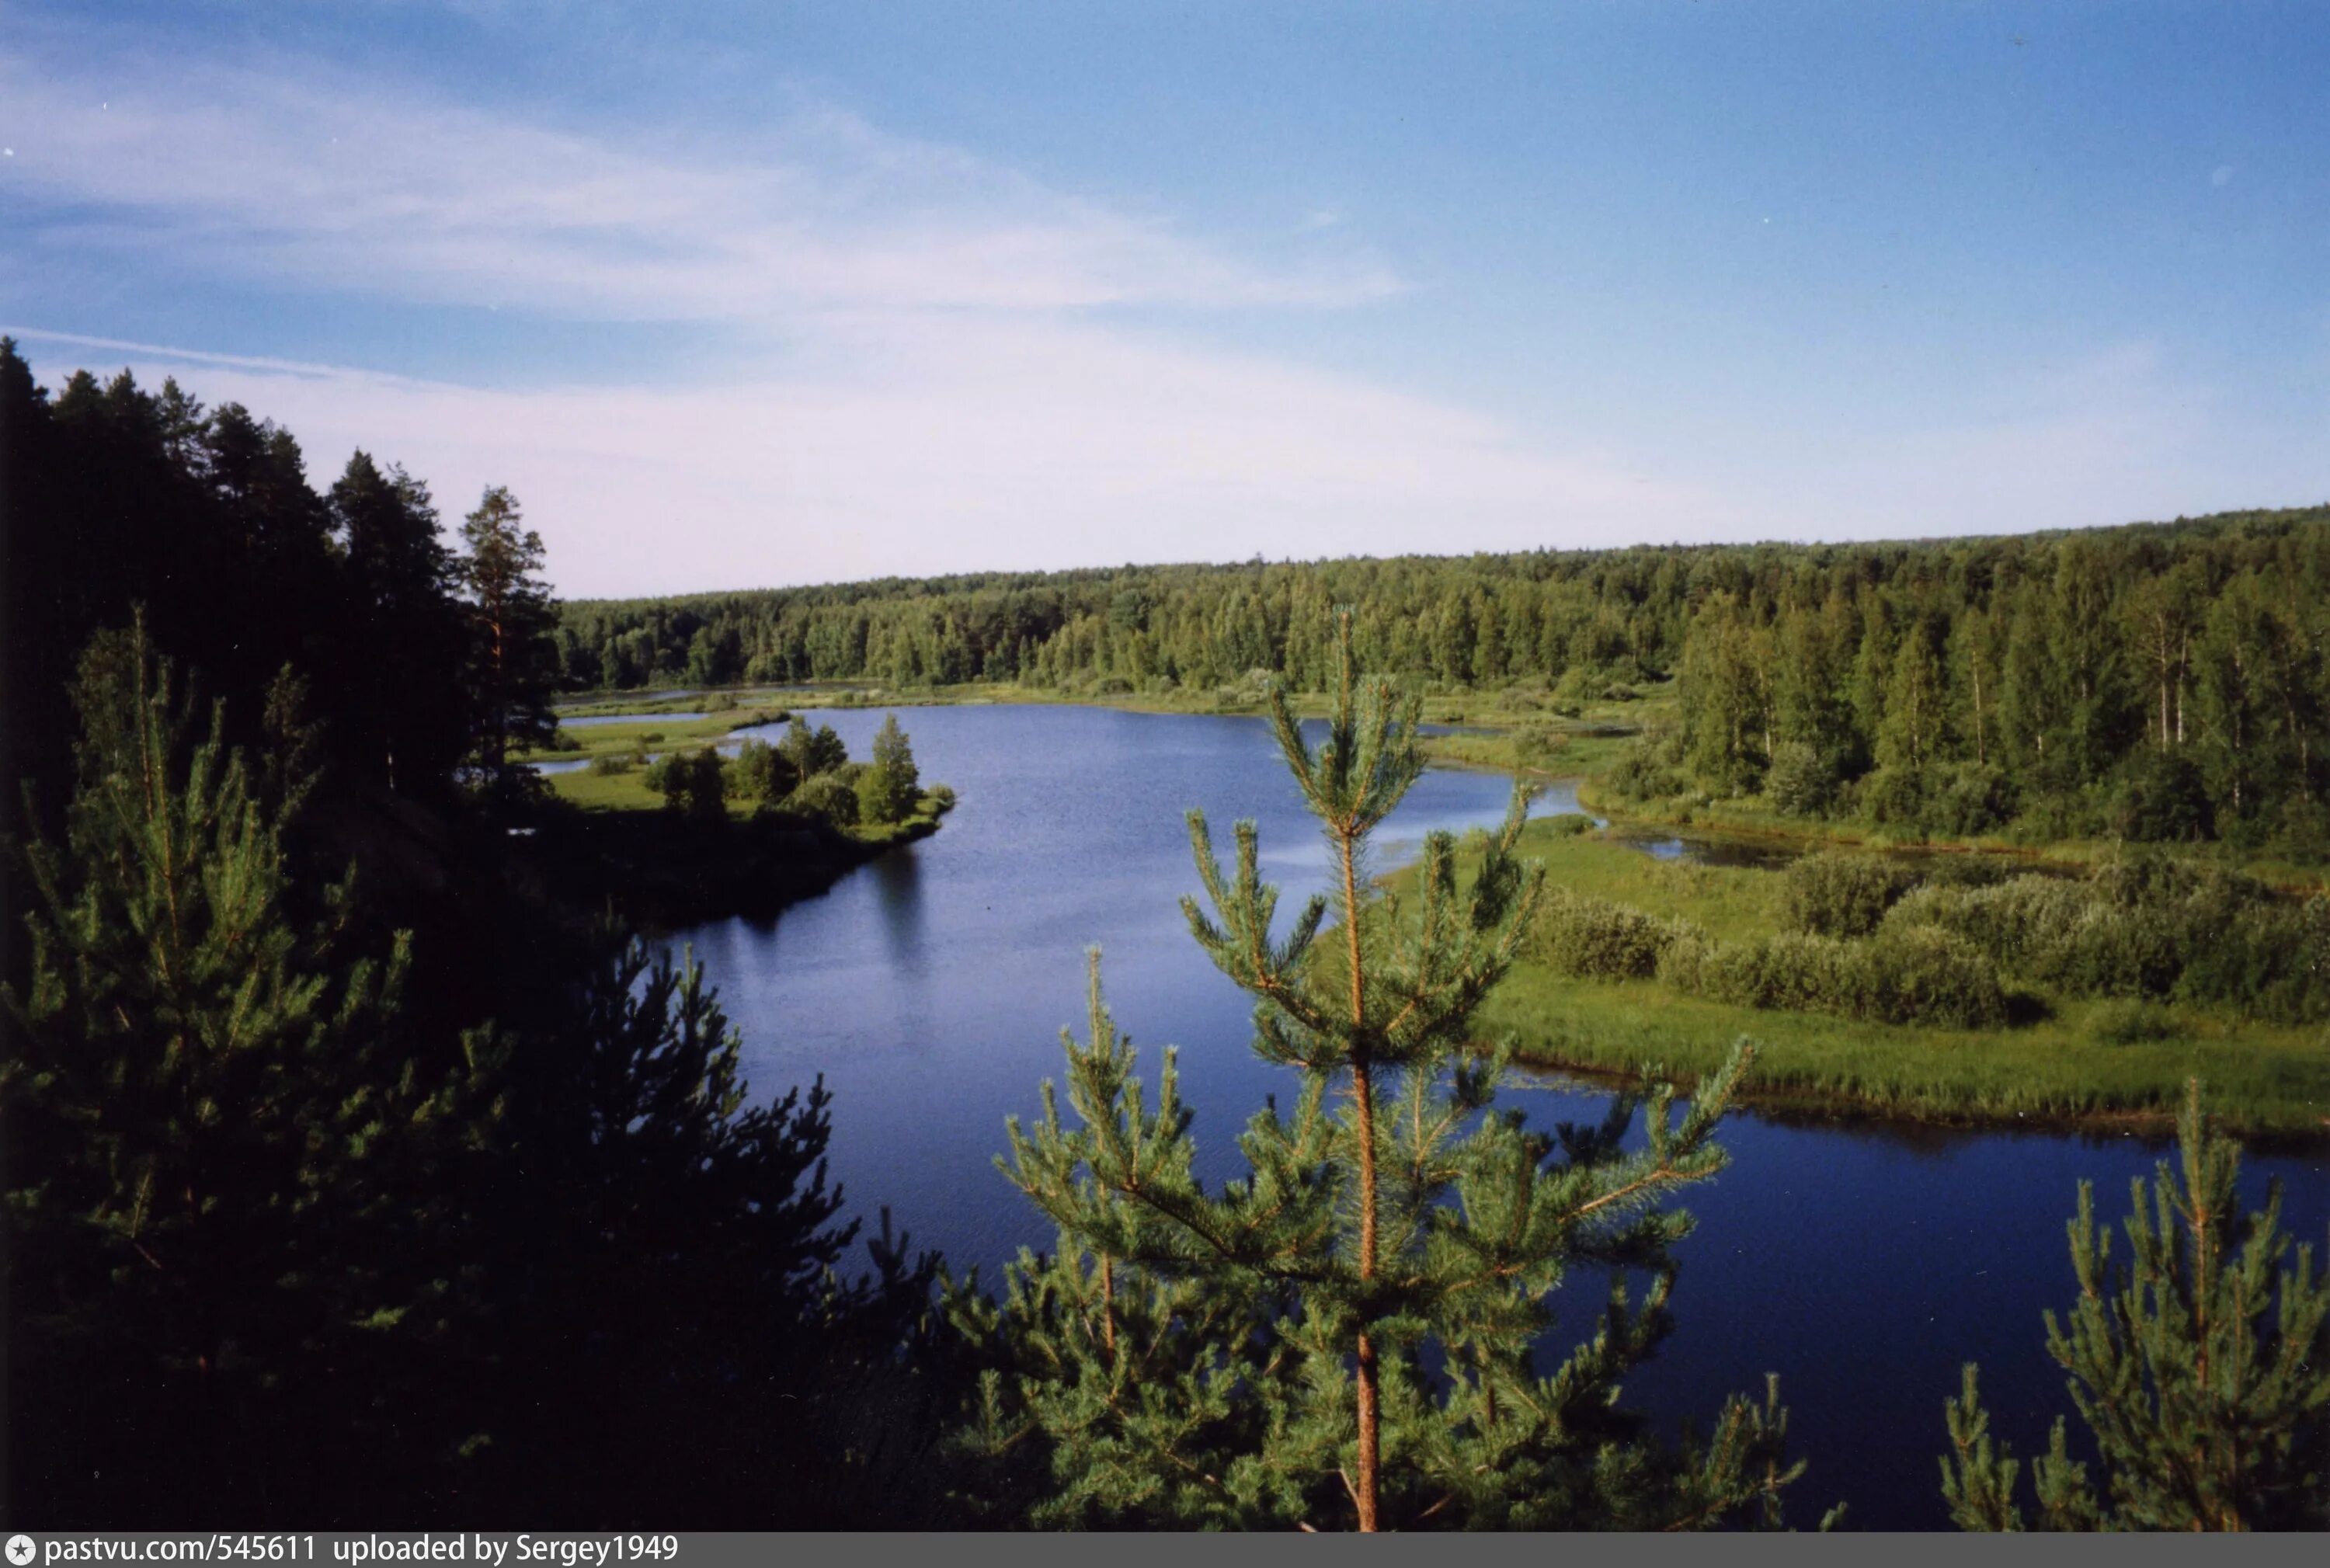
{"type": "Point", "coordinates": [928, 377]}
{"type": "Point", "coordinates": [289, 171]}
{"type": "Point", "coordinates": [977, 445]}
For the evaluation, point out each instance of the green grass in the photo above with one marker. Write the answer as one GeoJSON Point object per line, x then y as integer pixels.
{"type": "Point", "coordinates": [1748, 817]}
{"type": "Point", "coordinates": [630, 792]}
{"type": "Point", "coordinates": [675, 735]}
{"type": "Point", "coordinates": [2261, 1078]}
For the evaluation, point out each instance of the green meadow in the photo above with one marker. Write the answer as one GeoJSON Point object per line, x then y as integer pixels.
{"type": "Point", "coordinates": [2065, 1065]}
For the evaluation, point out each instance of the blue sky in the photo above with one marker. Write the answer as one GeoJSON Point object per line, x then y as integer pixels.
{"type": "Point", "coordinates": [749, 293]}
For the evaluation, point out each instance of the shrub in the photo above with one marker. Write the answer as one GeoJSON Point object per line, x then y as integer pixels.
{"type": "Point", "coordinates": [1568, 823]}
{"type": "Point", "coordinates": [1924, 976]}
{"type": "Point", "coordinates": [1800, 782]}
{"type": "Point", "coordinates": [2146, 925]}
{"type": "Point", "coordinates": [1918, 975]}
{"type": "Point", "coordinates": [2128, 1022]}
{"type": "Point", "coordinates": [607, 766]}
{"type": "Point", "coordinates": [1964, 799]}
{"type": "Point", "coordinates": [826, 798]}
{"type": "Point", "coordinates": [1894, 797]}
{"type": "Point", "coordinates": [1842, 895]}
{"type": "Point", "coordinates": [2162, 798]}
{"type": "Point", "coordinates": [1537, 745]}
{"type": "Point", "coordinates": [1592, 938]}
{"type": "Point", "coordinates": [1649, 769]}
{"type": "Point", "coordinates": [1685, 961]}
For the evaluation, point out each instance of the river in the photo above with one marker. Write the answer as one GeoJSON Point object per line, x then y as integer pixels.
{"type": "Point", "coordinates": [1863, 1263]}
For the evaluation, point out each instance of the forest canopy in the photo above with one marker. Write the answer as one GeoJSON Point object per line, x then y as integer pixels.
{"type": "Point", "coordinates": [2159, 681]}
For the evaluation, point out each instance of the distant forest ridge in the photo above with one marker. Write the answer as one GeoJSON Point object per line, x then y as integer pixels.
{"type": "Point", "coordinates": [2153, 680]}
{"type": "Point", "coordinates": [970, 581]}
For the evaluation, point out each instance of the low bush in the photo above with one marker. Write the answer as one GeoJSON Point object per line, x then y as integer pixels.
{"type": "Point", "coordinates": [1918, 976]}
{"type": "Point", "coordinates": [1967, 799]}
{"type": "Point", "coordinates": [2146, 925]}
{"type": "Point", "coordinates": [1837, 895]}
{"type": "Point", "coordinates": [1649, 769]}
{"type": "Point", "coordinates": [2131, 1021]}
{"type": "Point", "coordinates": [1568, 823]}
{"type": "Point", "coordinates": [1537, 745]}
{"type": "Point", "coordinates": [1578, 934]}
{"type": "Point", "coordinates": [827, 796]}
{"type": "Point", "coordinates": [607, 766]}
{"type": "Point", "coordinates": [1894, 797]}
{"type": "Point", "coordinates": [1800, 782]}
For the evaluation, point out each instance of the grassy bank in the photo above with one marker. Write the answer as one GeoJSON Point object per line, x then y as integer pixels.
{"type": "Point", "coordinates": [2062, 1067]}
{"type": "Point", "coordinates": [652, 733]}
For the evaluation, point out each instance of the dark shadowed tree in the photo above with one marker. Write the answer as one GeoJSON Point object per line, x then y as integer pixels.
{"type": "Point", "coordinates": [514, 659]}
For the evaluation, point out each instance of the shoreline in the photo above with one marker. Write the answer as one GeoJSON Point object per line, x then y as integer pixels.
{"type": "Point", "coordinates": [1799, 1105]}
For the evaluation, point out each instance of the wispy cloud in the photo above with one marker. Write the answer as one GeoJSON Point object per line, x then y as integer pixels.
{"type": "Point", "coordinates": [927, 375]}
{"type": "Point", "coordinates": [968, 445]}
{"type": "Point", "coordinates": [288, 170]}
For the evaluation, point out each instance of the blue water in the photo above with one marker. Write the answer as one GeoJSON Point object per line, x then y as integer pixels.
{"type": "Point", "coordinates": [1861, 1262]}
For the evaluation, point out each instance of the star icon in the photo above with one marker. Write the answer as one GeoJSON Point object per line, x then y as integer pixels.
{"type": "Point", "coordinates": [20, 1550]}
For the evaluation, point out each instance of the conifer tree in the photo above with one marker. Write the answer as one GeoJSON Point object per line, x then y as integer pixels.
{"type": "Point", "coordinates": [403, 675]}
{"type": "Point", "coordinates": [214, 1122]}
{"type": "Point", "coordinates": [1345, 1335]}
{"type": "Point", "coordinates": [2201, 1370]}
{"type": "Point", "coordinates": [515, 662]}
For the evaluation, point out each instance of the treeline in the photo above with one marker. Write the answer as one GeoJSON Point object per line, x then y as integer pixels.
{"type": "Point", "coordinates": [2156, 681]}
{"type": "Point", "coordinates": [1152, 627]}
{"type": "Point", "coordinates": [2156, 684]}
{"type": "Point", "coordinates": [356, 1168]}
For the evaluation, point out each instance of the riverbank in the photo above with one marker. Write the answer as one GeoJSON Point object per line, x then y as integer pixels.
{"type": "Point", "coordinates": [1511, 730]}
{"type": "Point", "coordinates": [2065, 1065]}
{"type": "Point", "coordinates": [617, 843]}
{"type": "Point", "coordinates": [663, 870]}
{"type": "Point", "coordinates": [1748, 820]}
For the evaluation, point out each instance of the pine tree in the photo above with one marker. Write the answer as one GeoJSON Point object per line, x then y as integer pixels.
{"type": "Point", "coordinates": [515, 667]}
{"type": "Point", "coordinates": [214, 1124]}
{"type": "Point", "coordinates": [2206, 1415]}
{"type": "Point", "coordinates": [403, 676]}
{"type": "Point", "coordinates": [1345, 1335]}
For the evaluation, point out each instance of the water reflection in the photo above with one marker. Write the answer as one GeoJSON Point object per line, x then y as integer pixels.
{"type": "Point", "coordinates": [1863, 1262]}
{"type": "Point", "coordinates": [897, 884]}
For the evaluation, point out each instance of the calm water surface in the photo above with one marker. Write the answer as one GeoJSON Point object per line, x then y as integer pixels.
{"type": "Point", "coordinates": [1861, 1263]}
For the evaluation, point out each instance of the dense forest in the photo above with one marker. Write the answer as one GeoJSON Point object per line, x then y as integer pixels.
{"type": "Point", "coordinates": [364, 1166]}
{"type": "Point", "coordinates": [358, 1167]}
{"type": "Point", "coordinates": [2153, 682]}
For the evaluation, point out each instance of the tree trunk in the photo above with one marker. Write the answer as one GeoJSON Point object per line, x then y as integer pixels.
{"type": "Point", "coordinates": [1363, 1488]}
